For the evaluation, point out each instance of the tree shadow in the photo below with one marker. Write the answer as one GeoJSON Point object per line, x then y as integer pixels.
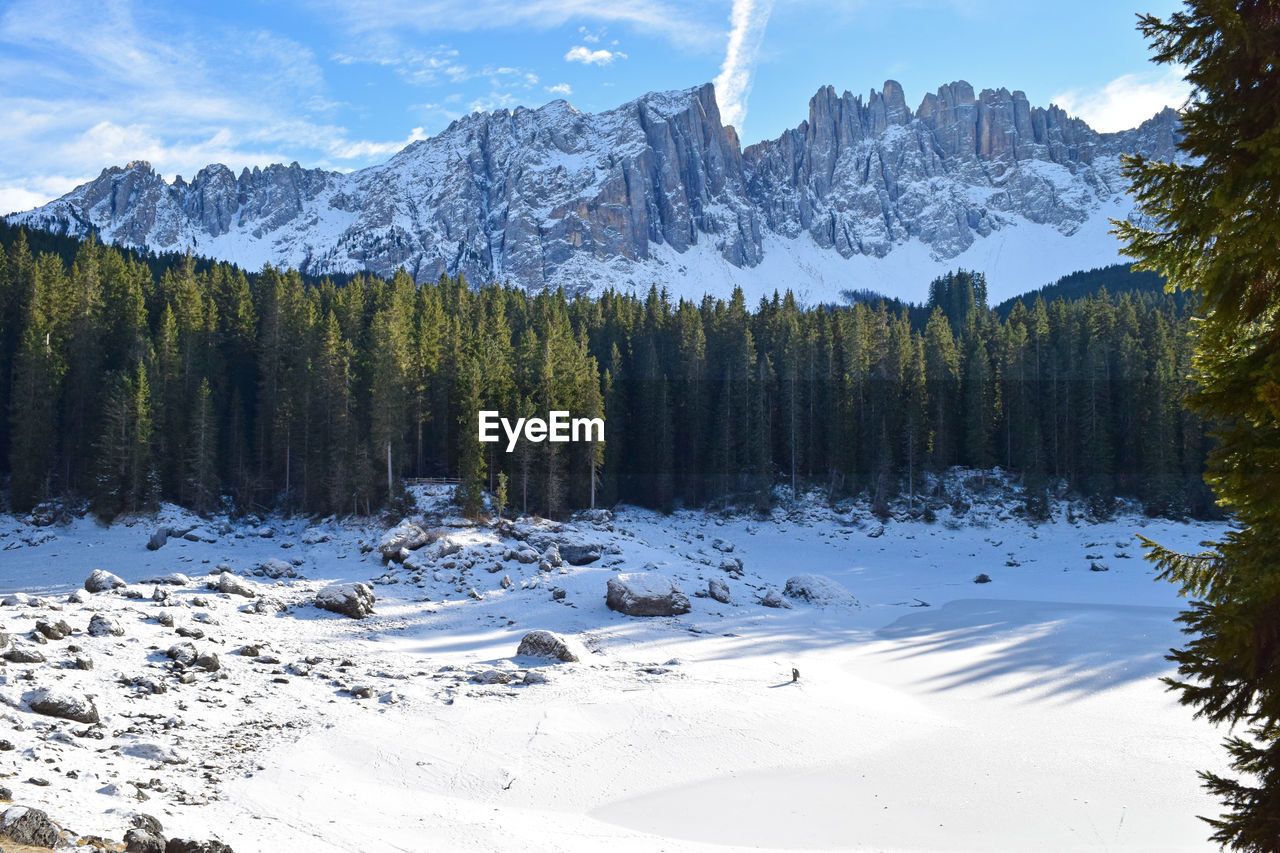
{"type": "Point", "coordinates": [1038, 650]}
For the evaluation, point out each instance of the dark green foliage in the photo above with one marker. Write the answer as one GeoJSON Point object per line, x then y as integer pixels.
{"type": "Point", "coordinates": [1215, 232]}
{"type": "Point", "coordinates": [273, 391]}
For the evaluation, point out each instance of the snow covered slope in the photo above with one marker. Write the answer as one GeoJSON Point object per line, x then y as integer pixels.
{"type": "Point", "coordinates": [556, 197]}
{"type": "Point", "coordinates": [932, 713]}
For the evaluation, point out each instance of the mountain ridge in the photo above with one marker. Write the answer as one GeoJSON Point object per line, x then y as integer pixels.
{"type": "Point", "coordinates": [660, 190]}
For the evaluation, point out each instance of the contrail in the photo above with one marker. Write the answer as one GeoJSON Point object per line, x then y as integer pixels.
{"type": "Point", "coordinates": [733, 85]}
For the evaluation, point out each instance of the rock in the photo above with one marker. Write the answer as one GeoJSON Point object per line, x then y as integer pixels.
{"type": "Point", "coordinates": [773, 598]}
{"type": "Point", "coordinates": [199, 534]}
{"type": "Point", "coordinates": [552, 556]}
{"type": "Point", "coordinates": [732, 565]}
{"type": "Point", "coordinates": [32, 827]}
{"type": "Point", "coordinates": [138, 840]}
{"type": "Point", "coordinates": [100, 580]}
{"type": "Point", "coordinates": [66, 706]}
{"type": "Point", "coordinates": [183, 654]}
{"type": "Point", "coordinates": [982, 578]}
{"type": "Point", "coordinates": [209, 662]}
{"type": "Point", "coordinates": [159, 594]}
{"type": "Point", "coordinates": [81, 662]}
{"type": "Point", "coordinates": [525, 555]}
{"type": "Point", "coordinates": [406, 536]}
{"type": "Point", "coordinates": [105, 626]}
{"type": "Point", "coordinates": [232, 585]}
{"type": "Point", "coordinates": [719, 590]}
{"type": "Point", "coordinates": [78, 596]}
{"type": "Point", "coordinates": [1098, 567]}
{"type": "Point", "coordinates": [172, 579]}
{"type": "Point", "coordinates": [190, 633]}
{"type": "Point", "coordinates": [276, 569]}
{"type": "Point", "coordinates": [312, 536]}
{"type": "Point", "coordinates": [533, 676]}
{"type": "Point", "coordinates": [492, 676]}
{"type": "Point", "coordinates": [158, 539]}
{"type": "Point", "coordinates": [52, 630]}
{"type": "Point", "coordinates": [645, 594]}
{"type": "Point", "coordinates": [165, 619]}
{"type": "Point", "coordinates": [147, 823]}
{"type": "Point", "coordinates": [581, 553]}
{"type": "Point", "coordinates": [350, 599]}
{"type": "Point", "coordinates": [265, 532]}
{"type": "Point", "coordinates": [155, 752]}
{"type": "Point", "coordinates": [506, 582]}
{"type": "Point", "coordinates": [818, 589]}
{"type": "Point", "coordinates": [545, 644]}
{"type": "Point", "coordinates": [6, 795]}
{"type": "Point", "coordinates": [183, 845]}
{"type": "Point", "coordinates": [723, 545]}
{"type": "Point", "coordinates": [22, 654]}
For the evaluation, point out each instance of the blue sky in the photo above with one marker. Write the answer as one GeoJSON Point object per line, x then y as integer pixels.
{"type": "Point", "coordinates": [343, 84]}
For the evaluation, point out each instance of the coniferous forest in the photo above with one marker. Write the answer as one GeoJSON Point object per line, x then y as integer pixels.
{"type": "Point", "coordinates": [127, 380]}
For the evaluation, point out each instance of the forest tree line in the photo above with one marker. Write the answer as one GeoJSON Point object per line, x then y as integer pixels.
{"type": "Point", "coordinates": [124, 382]}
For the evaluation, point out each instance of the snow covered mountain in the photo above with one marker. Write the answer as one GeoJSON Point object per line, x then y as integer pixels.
{"type": "Point", "coordinates": [861, 194]}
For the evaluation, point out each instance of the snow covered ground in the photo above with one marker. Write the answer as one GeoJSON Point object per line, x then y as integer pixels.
{"type": "Point", "coordinates": [931, 713]}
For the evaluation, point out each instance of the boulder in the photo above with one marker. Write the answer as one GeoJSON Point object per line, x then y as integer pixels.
{"type": "Point", "coordinates": [732, 565]}
{"type": "Point", "coordinates": [173, 579]}
{"type": "Point", "coordinates": [982, 578]}
{"type": "Point", "coordinates": [183, 654]}
{"type": "Point", "coordinates": [139, 840]}
{"type": "Point", "coordinates": [22, 654]}
{"type": "Point", "coordinates": [185, 845]}
{"type": "Point", "coordinates": [233, 585]}
{"type": "Point", "coordinates": [158, 539]}
{"type": "Point", "coordinates": [773, 598]}
{"type": "Point", "coordinates": [105, 626]}
{"type": "Point", "coordinates": [32, 827]}
{"type": "Point", "coordinates": [544, 644]}
{"type": "Point", "coordinates": [723, 545]}
{"type": "Point", "coordinates": [100, 580]}
{"type": "Point", "coordinates": [492, 676]}
{"type": "Point", "coordinates": [719, 590]}
{"type": "Point", "coordinates": [313, 536]}
{"type": "Point", "coordinates": [350, 599]}
{"type": "Point", "coordinates": [581, 553]}
{"type": "Point", "coordinates": [199, 534]}
{"type": "Point", "coordinates": [276, 569]}
{"type": "Point", "coordinates": [209, 662]}
{"type": "Point", "coordinates": [525, 555]}
{"type": "Point", "coordinates": [66, 706]}
{"type": "Point", "coordinates": [645, 594]}
{"type": "Point", "coordinates": [52, 630]}
{"type": "Point", "coordinates": [406, 535]}
{"type": "Point", "coordinates": [817, 589]}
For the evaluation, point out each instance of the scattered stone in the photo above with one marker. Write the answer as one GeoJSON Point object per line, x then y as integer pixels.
{"type": "Point", "coordinates": [165, 619]}
{"type": "Point", "coordinates": [525, 555]}
{"type": "Point", "coordinates": [723, 545]}
{"type": "Point", "coordinates": [276, 569]}
{"type": "Point", "coordinates": [142, 841]}
{"type": "Point", "coordinates": [232, 585]}
{"type": "Point", "coordinates": [100, 580]}
{"type": "Point", "coordinates": [534, 676]}
{"type": "Point", "coordinates": [158, 539]}
{"type": "Point", "coordinates": [66, 706]}
{"type": "Point", "coordinates": [773, 598]}
{"type": "Point", "coordinates": [645, 594]}
{"type": "Point", "coordinates": [719, 590]}
{"type": "Point", "coordinates": [79, 596]}
{"type": "Point", "coordinates": [172, 579]}
{"type": "Point", "coordinates": [492, 676]}
{"type": "Point", "coordinates": [506, 582]}
{"type": "Point", "coordinates": [23, 825]}
{"type": "Point", "coordinates": [53, 630]}
{"type": "Point", "coordinates": [22, 654]}
{"type": "Point", "coordinates": [183, 845]}
{"type": "Point", "coordinates": [199, 534]}
{"type": "Point", "coordinates": [81, 662]}
{"type": "Point", "coordinates": [545, 644]}
{"type": "Point", "coordinates": [312, 536]}
{"type": "Point", "coordinates": [982, 578]}
{"type": "Point", "coordinates": [190, 633]}
{"type": "Point", "coordinates": [361, 691]}
{"type": "Point", "coordinates": [405, 536]}
{"type": "Point", "coordinates": [1098, 567]}
{"type": "Point", "coordinates": [209, 662]}
{"type": "Point", "coordinates": [732, 565]}
{"type": "Point", "coordinates": [105, 626]}
{"type": "Point", "coordinates": [580, 553]}
{"type": "Point", "coordinates": [817, 589]}
{"type": "Point", "coordinates": [183, 654]}
{"type": "Point", "coordinates": [350, 599]}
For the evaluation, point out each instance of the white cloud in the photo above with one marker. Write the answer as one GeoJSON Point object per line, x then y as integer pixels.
{"type": "Point", "coordinates": [733, 85]}
{"type": "Point", "coordinates": [587, 56]}
{"type": "Point", "coordinates": [1126, 101]}
{"type": "Point", "coordinates": [563, 89]}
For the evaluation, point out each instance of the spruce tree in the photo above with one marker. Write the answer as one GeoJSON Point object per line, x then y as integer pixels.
{"type": "Point", "coordinates": [1215, 231]}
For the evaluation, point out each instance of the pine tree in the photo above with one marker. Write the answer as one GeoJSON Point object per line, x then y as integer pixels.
{"type": "Point", "coordinates": [1216, 232]}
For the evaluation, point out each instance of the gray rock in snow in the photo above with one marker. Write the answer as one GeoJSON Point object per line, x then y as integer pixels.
{"type": "Point", "coordinates": [350, 599]}
{"type": "Point", "coordinates": [719, 590]}
{"type": "Point", "coordinates": [23, 654]}
{"type": "Point", "coordinates": [158, 539]}
{"type": "Point", "coordinates": [232, 585]}
{"type": "Point", "coordinates": [545, 644]}
{"type": "Point", "coordinates": [645, 594]}
{"type": "Point", "coordinates": [105, 626]}
{"type": "Point", "coordinates": [773, 598]}
{"type": "Point", "coordinates": [100, 580]}
{"type": "Point", "coordinates": [32, 827]}
{"type": "Point", "coordinates": [52, 630]}
{"type": "Point", "coordinates": [61, 704]}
